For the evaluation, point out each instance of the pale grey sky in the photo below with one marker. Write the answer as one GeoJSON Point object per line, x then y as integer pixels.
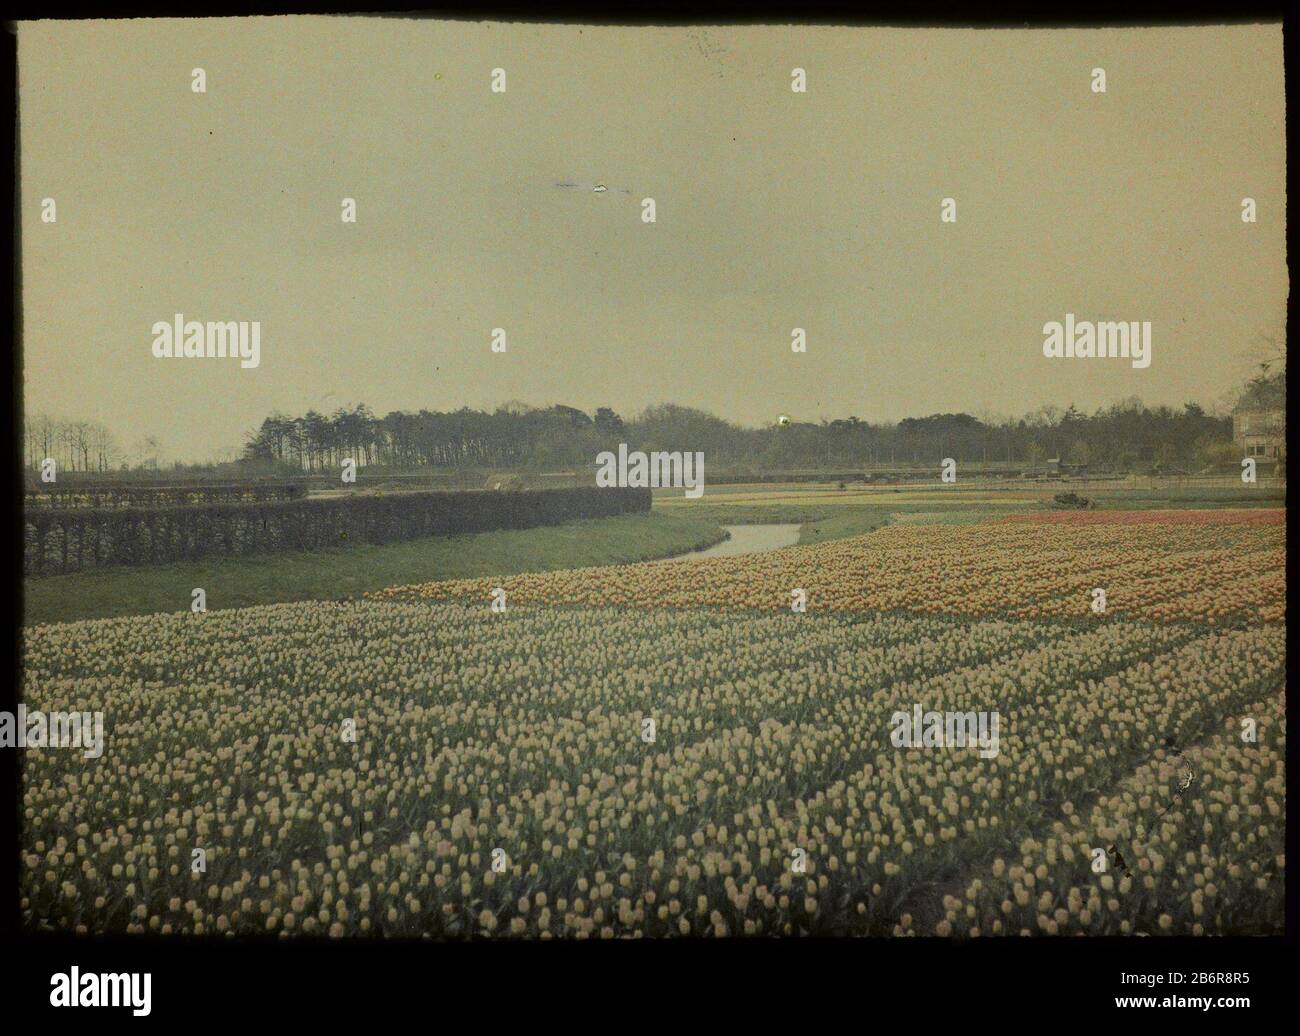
{"type": "Point", "coordinates": [775, 210]}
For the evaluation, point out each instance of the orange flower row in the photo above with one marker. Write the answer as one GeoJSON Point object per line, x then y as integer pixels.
{"type": "Point", "coordinates": [1233, 569]}
{"type": "Point", "coordinates": [1222, 516]}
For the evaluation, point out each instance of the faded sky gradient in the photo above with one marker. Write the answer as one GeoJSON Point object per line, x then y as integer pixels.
{"type": "Point", "coordinates": [775, 210]}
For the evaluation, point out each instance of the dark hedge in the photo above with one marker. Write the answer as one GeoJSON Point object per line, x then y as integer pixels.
{"type": "Point", "coordinates": [106, 495]}
{"type": "Point", "coordinates": [58, 540]}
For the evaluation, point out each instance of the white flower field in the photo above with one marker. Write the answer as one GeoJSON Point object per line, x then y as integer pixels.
{"type": "Point", "coordinates": [409, 767]}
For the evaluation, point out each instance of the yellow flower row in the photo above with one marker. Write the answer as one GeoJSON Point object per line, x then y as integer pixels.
{"type": "Point", "coordinates": [1205, 572]}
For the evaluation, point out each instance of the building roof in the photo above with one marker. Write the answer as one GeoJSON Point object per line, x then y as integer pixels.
{"type": "Point", "coordinates": [1263, 393]}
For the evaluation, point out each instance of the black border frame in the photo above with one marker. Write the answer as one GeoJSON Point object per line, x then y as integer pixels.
{"type": "Point", "coordinates": [809, 981]}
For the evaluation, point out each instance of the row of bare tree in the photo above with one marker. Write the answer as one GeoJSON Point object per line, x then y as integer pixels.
{"type": "Point", "coordinates": [77, 445]}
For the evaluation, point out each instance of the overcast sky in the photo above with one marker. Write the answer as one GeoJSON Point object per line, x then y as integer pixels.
{"type": "Point", "coordinates": [774, 210]}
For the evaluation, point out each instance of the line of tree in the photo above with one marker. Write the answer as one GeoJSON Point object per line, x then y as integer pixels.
{"type": "Point", "coordinates": [512, 436]}
{"type": "Point", "coordinates": [1125, 436]}
{"type": "Point", "coordinates": [90, 448]}
{"type": "Point", "coordinates": [74, 445]}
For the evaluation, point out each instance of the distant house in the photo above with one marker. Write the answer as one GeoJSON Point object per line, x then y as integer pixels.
{"type": "Point", "coordinates": [1259, 423]}
{"type": "Point", "coordinates": [1052, 468]}
{"type": "Point", "coordinates": [1260, 433]}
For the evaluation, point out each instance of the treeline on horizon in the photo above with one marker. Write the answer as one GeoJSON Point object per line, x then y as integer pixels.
{"type": "Point", "coordinates": [1125, 436]}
